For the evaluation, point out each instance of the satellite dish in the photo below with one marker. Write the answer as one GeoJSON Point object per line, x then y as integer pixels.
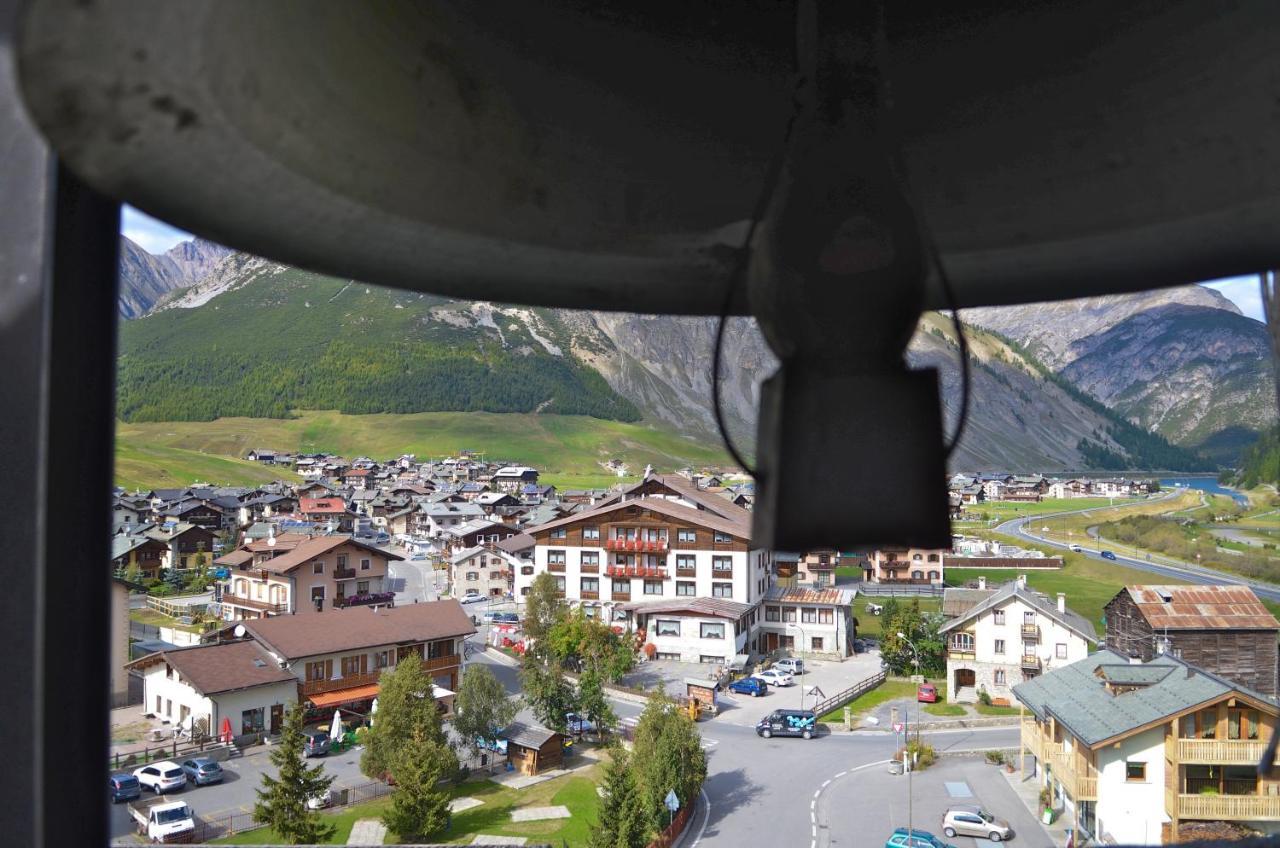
{"type": "Point", "coordinates": [239, 631]}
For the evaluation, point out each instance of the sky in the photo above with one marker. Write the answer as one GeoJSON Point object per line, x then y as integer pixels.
{"type": "Point", "coordinates": [156, 237]}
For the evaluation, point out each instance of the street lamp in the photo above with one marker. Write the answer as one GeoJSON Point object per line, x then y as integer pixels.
{"type": "Point", "coordinates": [791, 624]}
{"type": "Point", "coordinates": [906, 751]}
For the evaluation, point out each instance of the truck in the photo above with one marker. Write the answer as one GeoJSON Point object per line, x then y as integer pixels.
{"type": "Point", "coordinates": [160, 819]}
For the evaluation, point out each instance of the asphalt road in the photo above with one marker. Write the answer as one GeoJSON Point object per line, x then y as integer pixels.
{"type": "Point", "coordinates": [1190, 573]}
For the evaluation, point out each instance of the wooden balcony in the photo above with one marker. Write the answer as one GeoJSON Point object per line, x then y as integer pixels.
{"type": "Point", "coordinates": [1029, 734]}
{"type": "Point", "coordinates": [589, 596]}
{"type": "Point", "coordinates": [555, 567]}
{"type": "Point", "coordinates": [636, 545]}
{"type": "Point", "coordinates": [589, 568]}
{"type": "Point", "coordinates": [1227, 752]}
{"type": "Point", "coordinates": [250, 603]}
{"type": "Point", "coordinates": [344, 574]}
{"type": "Point", "coordinates": [1030, 663]}
{"type": "Point", "coordinates": [1031, 633]}
{"type": "Point", "coordinates": [722, 574]}
{"type": "Point", "coordinates": [620, 596]}
{"type": "Point", "coordinates": [961, 653]}
{"type": "Point", "coordinates": [1227, 807]}
{"type": "Point", "coordinates": [316, 687]}
{"type": "Point", "coordinates": [690, 571]}
{"type": "Point", "coordinates": [1082, 785]}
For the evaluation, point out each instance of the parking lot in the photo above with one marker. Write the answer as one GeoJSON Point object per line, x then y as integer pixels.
{"type": "Point", "coordinates": [863, 807]}
{"type": "Point", "coordinates": [828, 676]}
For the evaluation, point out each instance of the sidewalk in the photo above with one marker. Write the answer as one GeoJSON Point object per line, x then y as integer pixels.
{"type": "Point", "coordinates": [1028, 791]}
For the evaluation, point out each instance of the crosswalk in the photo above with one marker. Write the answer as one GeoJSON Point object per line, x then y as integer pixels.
{"type": "Point", "coordinates": [630, 722]}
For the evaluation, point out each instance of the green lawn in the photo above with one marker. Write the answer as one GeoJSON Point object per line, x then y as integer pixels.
{"type": "Point", "coordinates": [995, 711]}
{"type": "Point", "coordinates": [944, 709]}
{"type": "Point", "coordinates": [870, 625]}
{"type": "Point", "coordinates": [890, 690]}
{"type": "Point", "coordinates": [568, 448]}
{"type": "Point", "coordinates": [493, 817]}
{"type": "Point", "coordinates": [150, 616]}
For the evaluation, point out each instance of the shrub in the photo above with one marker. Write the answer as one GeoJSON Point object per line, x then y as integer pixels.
{"type": "Point", "coordinates": [650, 649]}
{"type": "Point", "coordinates": [1046, 799]}
{"type": "Point", "coordinates": [995, 757]}
{"type": "Point", "coordinates": [984, 697]}
{"type": "Point", "coordinates": [923, 754]}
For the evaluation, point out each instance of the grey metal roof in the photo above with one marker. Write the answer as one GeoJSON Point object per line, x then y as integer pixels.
{"type": "Point", "coordinates": [1070, 619]}
{"type": "Point", "coordinates": [1077, 697]}
{"type": "Point", "coordinates": [528, 736]}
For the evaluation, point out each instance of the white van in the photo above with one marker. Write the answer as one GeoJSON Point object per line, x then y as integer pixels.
{"type": "Point", "coordinates": [1075, 549]}
{"type": "Point", "coordinates": [790, 665]}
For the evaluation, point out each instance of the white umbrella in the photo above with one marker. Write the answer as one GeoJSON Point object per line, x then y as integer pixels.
{"type": "Point", "coordinates": [373, 710]}
{"type": "Point", "coordinates": [335, 729]}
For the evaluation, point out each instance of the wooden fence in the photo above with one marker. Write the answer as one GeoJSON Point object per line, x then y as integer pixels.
{"type": "Point", "coordinates": [673, 831]}
{"type": "Point", "coordinates": [844, 697]}
{"type": "Point", "coordinates": [218, 825]}
{"type": "Point", "coordinates": [170, 750]}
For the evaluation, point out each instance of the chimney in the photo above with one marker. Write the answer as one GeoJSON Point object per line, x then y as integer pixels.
{"type": "Point", "coordinates": [1062, 602]}
{"type": "Point", "coordinates": [982, 581]}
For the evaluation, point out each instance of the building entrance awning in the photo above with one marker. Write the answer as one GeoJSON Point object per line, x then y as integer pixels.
{"type": "Point", "coordinates": [344, 696]}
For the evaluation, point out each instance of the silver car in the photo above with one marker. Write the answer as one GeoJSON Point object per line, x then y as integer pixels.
{"type": "Point", "coordinates": [975, 821]}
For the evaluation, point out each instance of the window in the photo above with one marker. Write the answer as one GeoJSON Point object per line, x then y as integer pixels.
{"type": "Point", "coordinates": [667, 655]}
{"type": "Point", "coordinates": [342, 561]}
{"type": "Point", "coordinates": [1208, 721]}
{"type": "Point", "coordinates": [621, 587]}
{"type": "Point", "coordinates": [555, 558]}
{"type": "Point", "coordinates": [917, 575]}
{"type": "Point", "coordinates": [789, 614]}
{"type": "Point", "coordinates": [722, 563]}
{"type": "Point", "coordinates": [999, 677]}
{"type": "Point", "coordinates": [253, 721]}
{"type": "Point", "coordinates": [826, 616]}
{"type": "Point", "coordinates": [591, 584]}
{"type": "Point", "coordinates": [317, 568]}
{"type": "Point", "coordinates": [916, 557]}
{"type": "Point", "coordinates": [999, 646]}
{"type": "Point", "coordinates": [809, 615]}
{"type": "Point", "coordinates": [559, 533]}
{"type": "Point", "coordinates": [1135, 772]}
{"type": "Point", "coordinates": [722, 590]}
{"type": "Point", "coordinates": [771, 614]}
{"type": "Point", "coordinates": [473, 575]}
{"type": "Point", "coordinates": [653, 587]}
{"type": "Point", "coordinates": [666, 627]}
{"type": "Point", "coordinates": [364, 565]}
{"type": "Point", "coordinates": [816, 643]}
{"type": "Point", "coordinates": [962, 641]}
{"type": "Point", "coordinates": [381, 659]}
{"type": "Point", "coordinates": [686, 535]}
{"type": "Point", "coordinates": [1060, 650]}
{"type": "Point", "coordinates": [708, 659]}
{"type": "Point", "coordinates": [997, 617]}
{"type": "Point", "coordinates": [524, 591]}
{"type": "Point", "coordinates": [711, 631]}
{"type": "Point", "coordinates": [362, 587]}
{"type": "Point", "coordinates": [591, 534]}
{"type": "Point", "coordinates": [685, 561]}
{"type": "Point", "coordinates": [590, 558]}
{"type": "Point", "coordinates": [686, 588]}
{"type": "Point", "coordinates": [559, 583]}
{"type": "Point", "coordinates": [354, 664]}
{"type": "Point", "coordinates": [933, 557]}
{"type": "Point", "coordinates": [1242, 724]}
{"type": "Point", "coordinates": [934, 576]}
{"type": "Point", "coordinates": [722, 538]}
{"type": "Point", "coordinates": [168, 671]}
{"type": "Point", "coordinates": [168, 707]}
{"type": "Point", "coordinates": [157, 705]}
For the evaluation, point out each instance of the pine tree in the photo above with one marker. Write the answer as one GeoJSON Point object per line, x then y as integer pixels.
{"type": "Point", "coordinates": [668, 756]}
{"type": "Point", "coordinates": [405, 707]}
{"type": "Point", "coordinates": [418, 806]}
{"type": "Point", "coordinates": [622, 822]}
{"type": "Point", "coordinates": [282, 800]}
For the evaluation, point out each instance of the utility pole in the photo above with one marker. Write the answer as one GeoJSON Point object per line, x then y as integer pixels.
{"type": "Point", "coordinates": [907, 757]}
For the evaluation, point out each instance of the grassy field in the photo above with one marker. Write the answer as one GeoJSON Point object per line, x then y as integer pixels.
{"type": "Point", "coordinates": [870, 625]}
{"type": "Point", "coordinates": [569, 448]}
{"type": "Point", "coordinates": [1004, 510]}
{"type": "Point", "coordinates": [493, 817]}
{"type": "Point", "coordinates": [887, 691]}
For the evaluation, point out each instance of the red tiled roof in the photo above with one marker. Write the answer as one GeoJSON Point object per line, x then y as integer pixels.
{"type": "Point", "coordinates": [1202, 608]}
{"type": "Point", "coordinates": [322, 505]}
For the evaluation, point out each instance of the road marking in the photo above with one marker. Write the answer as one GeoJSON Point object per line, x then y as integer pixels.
{"type": "Point", "coordinates": [841, 774]}
{"type": "Point", "coordinates": [705, 818]}
{"type": "Point", "coordinates": [826, 783]}
{"type": "Point", "coordinates": [813, 804]}
{"type": "Point", "coordinates": [813, 843]}
{"type": "Point", "coordinates": [817, 792]}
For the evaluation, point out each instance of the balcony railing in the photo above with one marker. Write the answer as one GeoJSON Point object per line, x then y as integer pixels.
{"type": "Point", "coordinates": [961, 652]}
{"type": "Point", "coordinates": [344, 573]}
{"type": "Point", "coordinates": [654, 571]}
{"type": "Point", "coordinates": [721, 573]}
{"type": "Point", "coordinates": [686, 571]}
{"type": "Point", "coordinates": [1229, 752]}
{"type": "Point", "coordinates": [342, 602]}
{"type": "Point", "coordinates": [589, 568]}
{"type": "Point", "coordinates": [250, 603]}
{"type": "Point", "coordinates": [350, 681]}
{"type": "Point", "coordinates": [1030, 663]}
{"type": "Point", "coordinates": [589, 596]}
{"type": "Point", "coordinates": [1031, 632]}
{"type": "Point", "coordinates": [636, 545]}
{"type": "Point", "coordinates": [1228, 807]}
{"type": "Point", "coordinates": [619, 596]}
{"type": "Point", "coordinates": [555, 567]}
{"type": "Point", "coordinates": [1080, 785]}
{"type": "Point", "coordinates": [1031, 739]}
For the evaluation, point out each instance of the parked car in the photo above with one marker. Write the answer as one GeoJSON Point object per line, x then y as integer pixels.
{"type": "Point", "coordinates": [579, 724]}
{"type": "Point", "coordinates": [319, 802]}
{"type": "Point", "coordinates": [1107, 555]}
{"type": "Point", "coordinates": [506, 618]}
{"type": "Point", "coordinates": [927, 693]}
{"type": "Point", "coordinates": [124, 787]}
{"type": "Point", "coordinates": [1075, 548]}
{"type": "Point", "coordinates": [418, 557]}
{"type": "Point", "coordinates": [161, 777]}
{"type": "Point", "coordinates": [919, 839]}
{"type": "Point", "coordinates": [315, 743]}
{"type": "Point", "coordinates": [202, 770]}
{"type": "Point", "coordinates": [975, 821]}
{"type": "Point", "coordinates": [473, 597]}
{"type": "Point", "coordinates": [790, 665]}
{"type": "Point", "coordinates": [753, 686]}
{"type": "Point", "coordinates": [775, 678]}
{"type": "Point", "coordinates": [788, 723]}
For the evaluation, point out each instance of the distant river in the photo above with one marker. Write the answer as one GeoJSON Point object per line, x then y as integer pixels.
{"type": "Point", "coordinates": [1204, 484]}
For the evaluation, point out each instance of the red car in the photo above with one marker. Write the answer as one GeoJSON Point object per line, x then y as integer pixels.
{"type": "Point", "coordinates": [927, 693]}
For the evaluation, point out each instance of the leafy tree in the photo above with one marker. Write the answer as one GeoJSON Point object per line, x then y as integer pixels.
{"type": "Point", "coordinates": [282, 800]}
{"type": "Point", "coordinates": [592, 702]}
{"type": "Point", "coordinates": [668, 756]}
{"type": "Point", "coordinates": [622, 822]}
{"type": "Point", "coordinates": [482, 707]}
{"type": "Point", "coordinates": [133, 574]}
{"type": "Point", "coordinates": [585, 643]}
{"type": "Point", "coordinates": [921, 629]}
{"type": "Point", "coordinates": [405, 707]}
{"type": "Point", "coordinates": [544, 608]}
{"type": "Point", "coordinates": [547, 692]}
{"type": "Point", "coordinates": [418, 806]}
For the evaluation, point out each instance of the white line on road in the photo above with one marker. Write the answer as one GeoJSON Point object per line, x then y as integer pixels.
{"type": "Point", "coordinates": [826, 783]}
{"type": "Point", "coordinates": [813, 804]}
{"type": "Point", "coordinates": [705, 818]}
{"type": "Point", "coordinates": [813, 815]}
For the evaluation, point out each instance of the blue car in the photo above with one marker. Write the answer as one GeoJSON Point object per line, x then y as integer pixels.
{"type": "Point", "coordinates": [1107, 555]}
{"type": "Point", "coordinates": [124, 787]}
{"type": "Point", "coordinates": [919, 839]}
{"type": "Point", "coordinates": [753, 686]}
{"type": "Point", "coordinates": [202, 771]}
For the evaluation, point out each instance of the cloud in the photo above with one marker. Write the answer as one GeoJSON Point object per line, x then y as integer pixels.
{"type": "Point", "coordinates": [1243, 292]}
{"type": "Point", "coordinates": [151, 235]}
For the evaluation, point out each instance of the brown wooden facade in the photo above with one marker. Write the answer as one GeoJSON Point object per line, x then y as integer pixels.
{"type": "Point", "coordinates": [638, 518]}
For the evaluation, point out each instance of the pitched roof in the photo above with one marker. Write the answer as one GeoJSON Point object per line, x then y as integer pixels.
{"type": "Point", "coordinates": [1076, 695]}
{"type": "Point", "coordinates": [528, 736]}
{"type": "Point", "coordinates": [698, 517]}
{"type": "Point", "coordinates": [121, 545]}
{"type": "Point", "coordinates": [296, 636]}
{"type": "Point", "coordinates": [806, 595]}
{"type": "Point", "coordinates": [957, 601]}
{"type": "Point", "coordinates": [1195, 607]}
{"type": "Point", "coordinates": [517, 543]}
{"type": "Point", "coordinates": [222, 667]}
{"type": "Point", "coordinates": [713, 607]}
{"type": "Point", "coordinates": [1070, 619]}
{"type": "Point", "coordinates": [307, 550]}
{"type": "Point", "coordinates": [686, 489]}
{"type": "Point", "coordinates": [325, 506]}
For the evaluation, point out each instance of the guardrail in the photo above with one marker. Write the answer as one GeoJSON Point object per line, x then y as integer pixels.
{"type": "Point", "coordinates": [841, 698]}
{"type": "Point", "coordinates": [900, 589]}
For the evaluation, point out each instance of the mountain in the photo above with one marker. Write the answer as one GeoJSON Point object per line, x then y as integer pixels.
{"type": "Point", "coordinates": [1180, 362]}
{"type": "Point", "coordinates": [146, 278]}
{"type": "Point", "coordinates": [255, 338]}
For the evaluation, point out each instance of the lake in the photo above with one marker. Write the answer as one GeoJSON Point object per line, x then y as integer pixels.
{"type": "Point", "coordinates": [1209, 485]}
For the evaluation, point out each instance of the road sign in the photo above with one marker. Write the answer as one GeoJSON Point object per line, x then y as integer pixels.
{"type": "Point", "coordinates": [897, 728]}
{"type": "Point", "coordinates": [672, 802]}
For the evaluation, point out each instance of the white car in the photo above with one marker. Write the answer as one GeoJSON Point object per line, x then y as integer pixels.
{"type": "Point", "coordinates": [321, 801]}
{"type": "Point", "coordinates": [775, 678]}
{"type": "Point", "coordinates": [1075, 548]}
{"type": "Point", "coordinates": [161, 777]}
{"type": "Point", "coordinates": [473, 599]}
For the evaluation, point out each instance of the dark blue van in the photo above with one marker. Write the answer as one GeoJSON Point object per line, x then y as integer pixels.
{"type": "Point", "coordinates": [801, 723]}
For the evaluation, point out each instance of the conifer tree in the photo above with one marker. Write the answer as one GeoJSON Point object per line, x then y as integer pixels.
{"type": "Point", "coordinates": [282, 800]}
{"type": "Point", "coordinates": [418, 806]}
{"type": "Point", "coordinates": [622, 822]}
{"type": "Point", "coordinates": [405, 706]}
